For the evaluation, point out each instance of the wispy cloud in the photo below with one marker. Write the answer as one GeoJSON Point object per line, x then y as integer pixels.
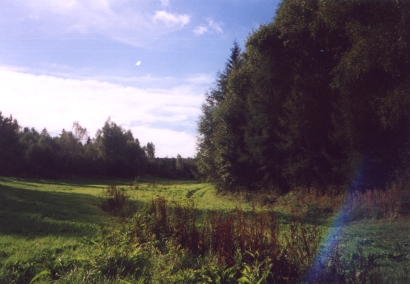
{"type": "Point", "coordinates": [123, 20]}
{"type": "Point", "coordinates": [199, 82]}
{"type": "Point", "coordinates": [212, 26]}
{"type": "Point", "coordinates": [199, 30]}
{"type": "Point", "coordinates": [215, 26]}
{"type": "Point", "coordinates": [166, 117]}
{"type": "Point", "coordinates": [171, 19]}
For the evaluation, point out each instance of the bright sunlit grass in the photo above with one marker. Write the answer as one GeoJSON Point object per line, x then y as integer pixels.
{"type": "Point", "coordinates": [55, 223]}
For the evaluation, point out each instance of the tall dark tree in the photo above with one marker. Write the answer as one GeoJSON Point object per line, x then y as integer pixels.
{"type": "Point", "coordinates": [150, 150]}
{"type": "Point", "coordinates": [320, 94]}
{"type": "Point", "coordinates": [210, 160]}
{"type": "Point", "coordinates": [70, 150]}
{"type": "Point", "coordinates": [121, 154]}
{"type": "Point", "coordinates": [10, 149]}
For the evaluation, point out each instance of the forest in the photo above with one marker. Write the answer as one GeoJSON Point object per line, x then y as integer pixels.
{"type": "Point", "coordinates": [113, 152]}
{"type": "Point", "coordinates": [318, 98]}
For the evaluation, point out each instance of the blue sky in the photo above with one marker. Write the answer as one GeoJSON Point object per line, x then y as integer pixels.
{"type": "Point", "coordinates": [145, 64]}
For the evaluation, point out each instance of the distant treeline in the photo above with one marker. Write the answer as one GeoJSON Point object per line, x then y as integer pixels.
{"type": "Point", "coordinates": [113, 152]}
{"type": "Point", "coordinates": [319, 97]}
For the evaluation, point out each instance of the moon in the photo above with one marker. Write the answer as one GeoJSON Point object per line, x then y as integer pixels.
{"type": "Point", "coordinates": [138, 63]}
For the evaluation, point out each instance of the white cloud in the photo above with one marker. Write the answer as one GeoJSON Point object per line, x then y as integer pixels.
{"type": "Point", "coordinates": [123, 20]}
{"type": "Point", "coordinates": [199, 30]}
{"type": "Point", "coordinates": [196, 81]}
{"type": "Point", "coordinates": [174, 142]}
{"type": "Point", "coordinates": [215, 26]}
{"type": "Point", "coordinates": [212, 26]}
{"type": "Point", "coordinates": [167, 117]}
{"type": "Point", "coordinates": [171, 19]}
{"type": "Point", "coordinates": [201, 79]}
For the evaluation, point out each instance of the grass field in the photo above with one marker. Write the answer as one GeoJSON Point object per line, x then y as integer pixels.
{"type": "Point", "coordinates": [55, 230]}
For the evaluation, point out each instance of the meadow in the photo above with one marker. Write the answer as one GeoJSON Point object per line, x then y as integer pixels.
{"type": "Point", "coordinates": [152, 230]}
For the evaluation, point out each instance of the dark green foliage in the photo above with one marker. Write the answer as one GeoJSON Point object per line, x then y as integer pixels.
{"type": "Point", "coordinates": [113, 152]}
{"type": "Point", "coordinates": [220, 127]}
{"type": "Point", "coordinates": [173, 168]}
{"type": "Point", "coordinates": [320, 94]}
{"type": "Point", "coordinates": [10, 150]}
{"type": "Point", "coordinates": [121, 153]}
{"type": "Point", "coordinates": [150, 150]}
{"type": "Point", "coordinates": [114, 200]}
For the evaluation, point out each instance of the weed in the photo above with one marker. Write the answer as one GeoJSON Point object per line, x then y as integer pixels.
{"type": "Point", "coordinates": [225, 235]}
{"type": "Point", "coordinates": [114, 200]}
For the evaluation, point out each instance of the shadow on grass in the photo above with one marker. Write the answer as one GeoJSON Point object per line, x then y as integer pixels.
{"type": "Point", "coordinates": [92, 182]}
{"type": "Point", "coordinates": [32, 213]}
{"type": "Point", "coordinates": [79, 182]}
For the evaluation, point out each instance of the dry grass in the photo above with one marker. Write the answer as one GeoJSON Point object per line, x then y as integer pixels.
{"type": "Point", "coordinates": [391, 203]}
{"type": "Point", "coordinates": [256, 236]}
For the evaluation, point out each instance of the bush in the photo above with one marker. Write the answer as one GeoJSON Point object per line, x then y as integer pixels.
{"type": "Point", "coordinates": [114, 200]}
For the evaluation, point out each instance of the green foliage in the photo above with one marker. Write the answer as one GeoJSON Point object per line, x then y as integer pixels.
{"type": "Point", "coordinates": [251, 249]}
{"type": "Point", "coordinates": [39, 275]}
{"type": "Point", "coordinates": [219, 129]}
{"type": "Point", "coordinates": [150, 150]}
{"type": "Point", "coordinates": [10, 150]}
{"type": "Point", "coordinates": [135, 182]}
{"type": "Point", "coordinates": [114, 200]}
{"type": "Point", "coordinates": [112, 152]}
{"type": "Point", "coordinates": [318, 95]}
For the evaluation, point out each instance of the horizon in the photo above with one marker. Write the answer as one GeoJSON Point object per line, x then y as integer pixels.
{"type": "Point", "coordinates": [147, 67]}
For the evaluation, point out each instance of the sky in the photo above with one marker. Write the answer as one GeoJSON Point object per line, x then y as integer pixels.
{"type": "Point", "coordinates": [145, 64]}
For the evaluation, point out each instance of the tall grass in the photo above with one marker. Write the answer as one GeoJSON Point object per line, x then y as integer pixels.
{"type": "Point", "coordinates": [114, 200]}
{"type": "Point", "coordinates": [258, 237]}
{"type": "Point", "coordinates": [391, 203]}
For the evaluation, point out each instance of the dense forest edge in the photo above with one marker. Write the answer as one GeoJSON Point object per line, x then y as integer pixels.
{"type": "Point", "coordinates": [113, 152]}
{"type": "Point", "coordinates": [318, 99]}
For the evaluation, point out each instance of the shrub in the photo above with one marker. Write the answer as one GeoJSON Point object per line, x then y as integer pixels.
{"type": "Point", "coordinates": [114, 200]}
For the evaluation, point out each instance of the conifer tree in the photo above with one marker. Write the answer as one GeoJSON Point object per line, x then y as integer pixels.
{"type": "Point", "coordinates": [319, 94]}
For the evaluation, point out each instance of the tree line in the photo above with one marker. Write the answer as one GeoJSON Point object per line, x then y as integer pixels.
{"type": "Point", "coordinates": [320, 97]}
{"type": "Point", "coordinates": [113, 152]}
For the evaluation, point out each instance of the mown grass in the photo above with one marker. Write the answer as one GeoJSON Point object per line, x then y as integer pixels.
{"type": "Point", "coordinates": [57, 227]}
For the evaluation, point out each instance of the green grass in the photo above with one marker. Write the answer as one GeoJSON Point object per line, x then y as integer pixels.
{"type": "Point", "coordinates": [43, 220]}
{"type": "Point", "coordinates": [204, 195]}
{"type": "Point", "coordinates": [55, 225]}
{"type": "Point", "coordinates": [51, 220]}
{"type": "Point", "coordinates": [387, 239]}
